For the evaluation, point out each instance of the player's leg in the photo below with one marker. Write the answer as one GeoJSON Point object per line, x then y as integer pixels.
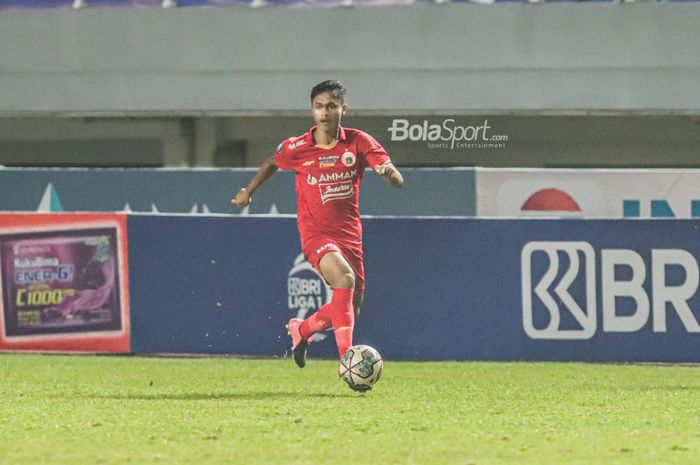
{"type": "Point", "coordinates": [299, 343]}
{"type": "Point", "coordinates": [326, 257]}
{"type": "Point", "coordinates": [357, 300]}
{"type": "Point", "coordinates": [337, 271]}
{"type": "Point", "coordinates": [356, 260]}
{"type": "Point", "coordinates": [339, 274]}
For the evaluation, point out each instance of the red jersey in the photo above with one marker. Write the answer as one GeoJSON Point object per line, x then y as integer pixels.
{"type": "Point", "coordinates": [328, 182]}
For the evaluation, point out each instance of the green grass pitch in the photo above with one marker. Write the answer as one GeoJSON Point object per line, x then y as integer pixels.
{"type": "Point", "coordinates": [133, 410]}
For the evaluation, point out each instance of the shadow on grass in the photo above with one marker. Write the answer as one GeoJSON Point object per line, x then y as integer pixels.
{"type": "Point", "coordinates": [662, 387]}
{"type": "Point", "coordinates": [219, 395]}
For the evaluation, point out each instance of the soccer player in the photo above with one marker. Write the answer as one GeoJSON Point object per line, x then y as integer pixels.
{"type": "Point", "coordinates": [329, 162]}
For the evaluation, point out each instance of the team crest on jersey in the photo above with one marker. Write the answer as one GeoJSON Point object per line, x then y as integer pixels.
{"type": "Point", "coordinates": [327, 161]}
{"type": "Point", "coordinates": [348, 158]}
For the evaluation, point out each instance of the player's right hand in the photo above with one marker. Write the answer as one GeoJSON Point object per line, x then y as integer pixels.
{"type": "Point", "coordinates": [242, 199]}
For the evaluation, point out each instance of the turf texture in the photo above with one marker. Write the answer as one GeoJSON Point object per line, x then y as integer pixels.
{"type": "Point", "coordinates": [134, 410]}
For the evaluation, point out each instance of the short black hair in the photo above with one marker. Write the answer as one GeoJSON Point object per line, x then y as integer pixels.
{"type": "Point", "coordinates": [334, 87]}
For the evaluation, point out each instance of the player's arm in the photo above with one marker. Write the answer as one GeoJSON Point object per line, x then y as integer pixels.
{"type": "Point", "coordinates": [245, 194]}
{"type": "Point", "coordinates": [390, 174]}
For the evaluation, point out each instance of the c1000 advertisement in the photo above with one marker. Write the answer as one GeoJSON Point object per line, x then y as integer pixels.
{"type": "Point", "coordinates": [62, 284]}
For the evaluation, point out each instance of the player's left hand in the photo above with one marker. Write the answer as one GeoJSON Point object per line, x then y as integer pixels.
{"type": "Point", "coordinates": [390, 174]}
{"type": "Point", "coordinates": [242, 199]}
{"type": "Point", "coordinates": [384, 170]}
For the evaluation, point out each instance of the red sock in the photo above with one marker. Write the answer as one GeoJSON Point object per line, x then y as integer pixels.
{"type": "Point", "coordinates": [319, 321]}
{"type": "Point", "coordinates": [343, 319]}
{"type": "Point", "coordinates": [338, 313]}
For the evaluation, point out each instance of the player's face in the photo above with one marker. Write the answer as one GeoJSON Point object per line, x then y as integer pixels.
{"type": "Point", "coordinates": [327, 110]}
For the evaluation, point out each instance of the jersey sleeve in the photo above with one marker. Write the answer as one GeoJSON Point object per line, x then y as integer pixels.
{"type": "Point", "coordinates": [373, 151]}
{"type": "Point", "coordinates": [284, 157]}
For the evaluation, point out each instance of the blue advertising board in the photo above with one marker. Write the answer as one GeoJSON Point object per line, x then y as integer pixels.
{"type": "Point", "coordinates": [437, 289]}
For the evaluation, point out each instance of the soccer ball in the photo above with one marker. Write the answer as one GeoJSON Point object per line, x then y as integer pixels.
{"type": "Point", "coordinates": [361, 367]}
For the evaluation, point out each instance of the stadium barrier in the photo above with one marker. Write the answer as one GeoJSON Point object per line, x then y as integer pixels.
{"type": "Point", "coordinates": [204, 191]}
{"type": "Point", "coordinates": [484, 192]}
{"type": "Point", "coordinates": [588, 193]}
{"type": "Point", "coordinates": [437, 289]}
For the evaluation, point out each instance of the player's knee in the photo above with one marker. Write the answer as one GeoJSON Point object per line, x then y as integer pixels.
{"type": "Point", "coordinates": [346, 280]}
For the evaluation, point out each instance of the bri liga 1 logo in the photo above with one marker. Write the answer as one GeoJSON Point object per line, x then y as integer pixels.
{"type": "Point", "coordinates": [307, 291]}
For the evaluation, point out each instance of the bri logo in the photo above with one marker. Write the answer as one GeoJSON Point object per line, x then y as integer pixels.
{"type": "Point", "coordinates": [307, 291]}
{"type": "Point", "coordinates": [559, 282]}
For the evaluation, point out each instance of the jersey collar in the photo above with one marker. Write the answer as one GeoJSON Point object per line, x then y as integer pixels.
{"type": "Point", "coordinates": [310, 135]}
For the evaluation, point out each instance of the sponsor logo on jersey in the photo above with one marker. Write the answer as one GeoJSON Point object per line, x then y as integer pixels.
{"type": "Point", "coordinates": [339, 176]}
{"type": "Point", "coordinates": [348, 158]}
{"type": "Point", "coordinates": [308, 163]}
{"type": "Point", "coordinates": [296, 144]}
{"type": "Point", "coordinates": [311, 180]}
{"type": "Point", "coordinates": [336, 190]}
{"type": "Point", "coordinates": [328, 161]}
{"type": "Point", "coordinates": [327, 246]}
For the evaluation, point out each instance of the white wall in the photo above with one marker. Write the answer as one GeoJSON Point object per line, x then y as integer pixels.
{"type": "Point", "coordinates": [455, 57]}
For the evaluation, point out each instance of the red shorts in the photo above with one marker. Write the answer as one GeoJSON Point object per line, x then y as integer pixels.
{"type": "Point", "coordinates": [316, 248]}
